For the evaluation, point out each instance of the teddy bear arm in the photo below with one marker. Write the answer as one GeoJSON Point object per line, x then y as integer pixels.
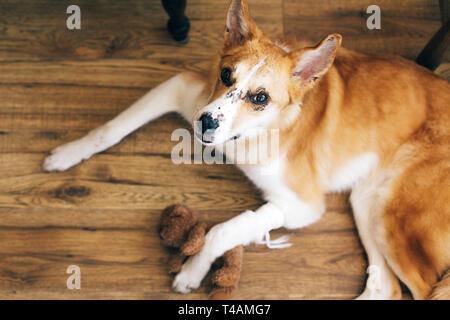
{"type": "Point", "coordinates": [195, 240]}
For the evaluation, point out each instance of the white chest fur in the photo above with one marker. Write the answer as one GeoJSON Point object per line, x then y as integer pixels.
{"type": "Point", "coordinates": [353, 170]}
{"type": "Point", "coordinates": [268, 178]}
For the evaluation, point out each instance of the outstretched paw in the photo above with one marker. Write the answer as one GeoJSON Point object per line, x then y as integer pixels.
{"type": "Point", "coordinates": [184, 284]}
{"type": "Point", "coordinates": [65, 157]}
{"type": "Point", "coordinates": [191, 274]}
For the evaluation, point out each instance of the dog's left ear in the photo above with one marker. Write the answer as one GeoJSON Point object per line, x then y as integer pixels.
{"type": "Point", "coordinates": [239, 26]}
{"type": "Point", "coordinates": [312, 63]}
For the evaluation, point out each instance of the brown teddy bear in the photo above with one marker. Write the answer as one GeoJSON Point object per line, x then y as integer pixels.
{"type": "Point", "coordinates": [181, 231]}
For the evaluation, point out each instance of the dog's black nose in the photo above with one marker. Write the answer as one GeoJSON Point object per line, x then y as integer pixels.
{"type": "Point", "coordinates": [208, 123]}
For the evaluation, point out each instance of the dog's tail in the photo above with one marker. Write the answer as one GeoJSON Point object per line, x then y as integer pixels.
{"type": "Point", "coordinates": [441, 290]}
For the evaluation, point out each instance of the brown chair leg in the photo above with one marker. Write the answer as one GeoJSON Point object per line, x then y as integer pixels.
{"type": "Point", "coordinates": [178, 24]}
{"type": "Point", "coordinates": [444, 5]}
{"type": "Point", "coordinates": [433, 53]}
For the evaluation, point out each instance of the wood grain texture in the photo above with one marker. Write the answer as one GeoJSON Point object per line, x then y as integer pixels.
{"type": "Point", "coordinates": [406, 26]}
{"type": "Point", "coordinates": [56, 85]}
{"type": "Point", "coordinates": [119, 29]}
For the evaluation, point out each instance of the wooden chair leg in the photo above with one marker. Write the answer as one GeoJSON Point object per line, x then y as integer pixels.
{"type": "Point", "coordinates": [178, 24]}
{"type": "Point", "coordinates": [433, 53]}
{"type": "Point", "coordinates": [445, 10]}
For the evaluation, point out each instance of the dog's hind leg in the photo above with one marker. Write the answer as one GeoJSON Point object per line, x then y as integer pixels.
{"type": "Point", "coordinates": [403, 220]}
{"type": "Point", "coordinates": [181, 93]}
{"type": "Point", "coordinates": [368, 199]}
{"type": "Point", "coordinates": [417, 220]}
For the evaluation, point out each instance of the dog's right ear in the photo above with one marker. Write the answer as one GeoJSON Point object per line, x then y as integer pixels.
{"type": "Point", "coordinates": [239, 26]}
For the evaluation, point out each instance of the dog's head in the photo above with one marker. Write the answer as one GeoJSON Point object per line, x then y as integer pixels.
{"type": "Point", "coordinates": [256, 83]}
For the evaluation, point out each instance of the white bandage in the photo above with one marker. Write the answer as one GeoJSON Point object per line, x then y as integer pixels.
{"type": "Point", "coordinates": [279, 243]}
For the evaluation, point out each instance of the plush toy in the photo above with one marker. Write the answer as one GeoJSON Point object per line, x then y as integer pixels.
{"type": "Point", "coordinates": [181, 231]}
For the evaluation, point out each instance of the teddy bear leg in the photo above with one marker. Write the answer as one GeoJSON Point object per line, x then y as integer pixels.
{"type": "Point", "coordinates": [176, 262]}
{"type": "Point", "coordinates": [230, 273]}
{"type": "Point", "coordinates": [222, 293]}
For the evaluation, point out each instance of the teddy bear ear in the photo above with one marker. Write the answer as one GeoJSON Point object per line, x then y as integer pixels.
{"type": "Point", "coordinates": [175, 214]}
{"type": "Point", "coordinates": [168, 210]}
{"type": "Point", "coordinates": [176, 211]}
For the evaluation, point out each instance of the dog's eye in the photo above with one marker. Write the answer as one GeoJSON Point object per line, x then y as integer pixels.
{"type": "Point", "coordinates": [259, 98]}
{"type": "Point", "coordinates": [225, 76]}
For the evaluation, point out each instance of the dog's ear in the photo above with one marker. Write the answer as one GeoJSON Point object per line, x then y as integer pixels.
{"type": "Point", "coordinates": [312, 63]}
{"type": "Point", "coordinates": [239, 26]}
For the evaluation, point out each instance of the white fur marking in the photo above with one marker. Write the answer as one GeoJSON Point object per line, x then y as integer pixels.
{"type": "Point", "coordinates": [352, 171]}
{"type": "Point", "coordinates": [373, 283]}
{"type": "Point", "coordinates": [297, 213]}
{"type": "Point", "coordinates": [250, 74]}
{"type": "Point", "coordinates": [283, 46]}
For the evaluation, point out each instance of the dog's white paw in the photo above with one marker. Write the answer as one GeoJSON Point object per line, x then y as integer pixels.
{"type": "Point", "coordinates": [65, 156]}
{"type": "Point", "coordinates": [191, 275]}
{"type": "Point", "coordinates": [366, 295]}
{"type": "Point", "coordinates": [184, 284]}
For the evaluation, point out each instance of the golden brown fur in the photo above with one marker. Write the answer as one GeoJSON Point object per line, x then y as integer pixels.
{"type": "Point", "coordinates": [392, 106]}
{"type": "Point", "coordinates": [366, 103]}
{"type": "Point", "coordinates": [441, 290]}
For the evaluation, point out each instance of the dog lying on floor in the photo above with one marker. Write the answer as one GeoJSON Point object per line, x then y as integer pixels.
{"type": "Point", "coordinates": [379, 125]}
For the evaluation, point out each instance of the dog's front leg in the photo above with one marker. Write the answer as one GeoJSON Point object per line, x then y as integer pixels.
{"type": "Point", "coordinates": [181, 93]}
{"type": "Point", "coordinates": [248, 227]}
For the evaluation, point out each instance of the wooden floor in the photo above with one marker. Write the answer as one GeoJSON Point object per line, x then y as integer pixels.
{"type": "Point", "coordinates": [56, 85]}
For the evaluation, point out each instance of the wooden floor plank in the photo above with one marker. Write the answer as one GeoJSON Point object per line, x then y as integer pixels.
{"type": "Point", "coordinates": [406, 26]}
{"type": "Point", "coordinates": [130, 258]}
{"type": "Point", "coordinates": [119, 29]}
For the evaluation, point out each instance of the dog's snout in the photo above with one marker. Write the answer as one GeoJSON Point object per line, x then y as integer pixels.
{"type": "Point", "coordinates": [208, 123]}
